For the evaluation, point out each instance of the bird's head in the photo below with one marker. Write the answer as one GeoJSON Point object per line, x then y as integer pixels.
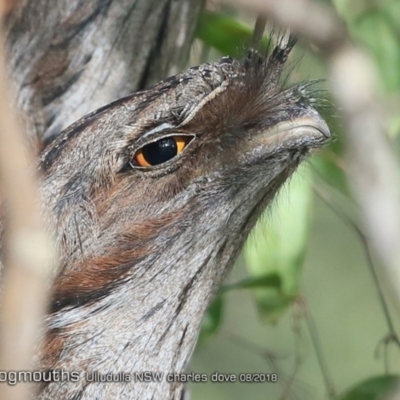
{"type": "Point", "coordinates": [156, 193]}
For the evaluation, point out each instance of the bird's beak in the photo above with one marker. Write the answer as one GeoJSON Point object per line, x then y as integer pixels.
{"type": "Point", "coordinates": [309, 130]}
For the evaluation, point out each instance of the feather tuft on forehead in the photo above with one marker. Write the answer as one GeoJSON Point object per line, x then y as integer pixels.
{"type": "Point", "coordinates": [248, 92]}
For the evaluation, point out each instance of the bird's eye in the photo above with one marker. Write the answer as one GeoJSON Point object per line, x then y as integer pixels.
{"type": "Point", "coordinates": [161, 151]}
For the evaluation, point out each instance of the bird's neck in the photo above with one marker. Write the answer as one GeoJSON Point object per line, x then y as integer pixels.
{"type": "Point", "coordinates": [148, 323]}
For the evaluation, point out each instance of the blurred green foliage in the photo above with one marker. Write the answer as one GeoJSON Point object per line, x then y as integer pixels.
{"type": "Point", "coordinates": [223, 33]}
{"type": "Point", "coordinates": [281, 252]}
{"type": "Point", "coordinates": [376, 25]}
{"type": "Point", "coordinates": [372, 389]}
{"type": "Point", "coordinates": [275, 254]}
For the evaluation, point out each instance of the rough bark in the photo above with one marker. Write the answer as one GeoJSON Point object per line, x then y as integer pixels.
{"type": "Point", "coordinates": [70, 57]}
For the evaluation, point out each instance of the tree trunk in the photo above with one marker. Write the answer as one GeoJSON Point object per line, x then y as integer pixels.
{"type": "Point", "coordinates": [70, 57]}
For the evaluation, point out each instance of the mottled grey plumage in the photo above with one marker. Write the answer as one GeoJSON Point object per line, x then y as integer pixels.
{"type": "Point", "coordinates": [144, 249]}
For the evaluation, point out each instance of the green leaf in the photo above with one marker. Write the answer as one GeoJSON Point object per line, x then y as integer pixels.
{"type": "Point", "coordinates": [223, 33]}
{"type": "Point", "coordinates": [212, 319]}
{"type": "Point", "coordinates": [279, 247]}
{"type": "Point", "coordinates": [373, 388]}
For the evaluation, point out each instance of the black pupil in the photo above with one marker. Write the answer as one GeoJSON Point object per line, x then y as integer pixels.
{"type": "Point", "coordinates": [160, 152]}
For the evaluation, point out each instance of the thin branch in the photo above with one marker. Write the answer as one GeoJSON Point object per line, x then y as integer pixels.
{"type": "Point", "coordinates": [258, 31]}
{"type": "Point", "coordinates": [27, 252]}
{"type": "Point", "coordinates": [312, 328]}
{"type": "Point", "coordinates": [392, 335]}
{"type": "Point", "coordinates": [312, 20]}
{"type": "Point", "coordinates": [288, 383]}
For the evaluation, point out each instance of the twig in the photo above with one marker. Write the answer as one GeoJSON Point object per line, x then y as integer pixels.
{"type": "Point", "coordinates": [258, 31]}
{"type": "Point", "coordinates": [320, 356]}
{"type": "Point", "coordinates": [312, 20]}
{"type": "Point", "coordinates": [27, 253]}
{"type": "Point", "coordinates": [287, 382]}
{"type": "Point", "coordinates": [392, 335]}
